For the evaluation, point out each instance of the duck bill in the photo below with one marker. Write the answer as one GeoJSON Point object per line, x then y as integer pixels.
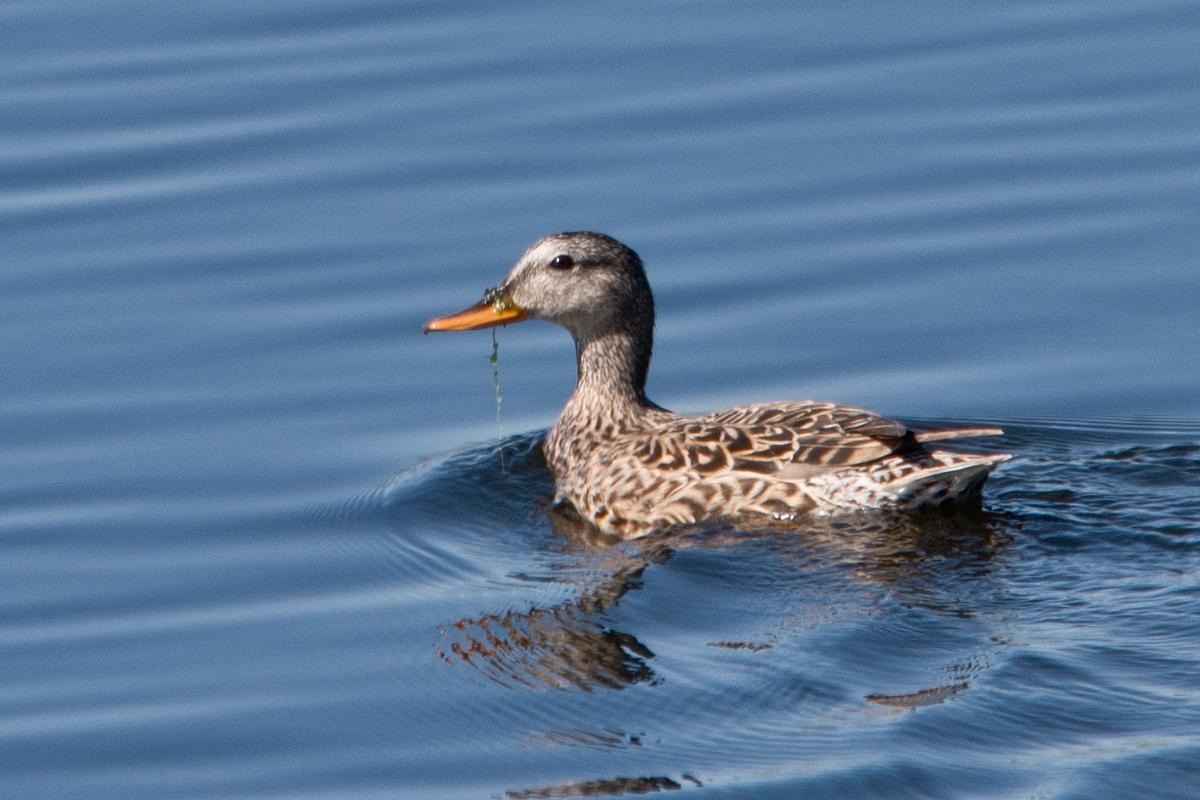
{"type": "Point", "coordinates": [484, 314]}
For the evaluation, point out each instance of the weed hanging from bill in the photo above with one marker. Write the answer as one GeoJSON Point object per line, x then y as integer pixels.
{"type": "Point", "coordinates": [495, 362]}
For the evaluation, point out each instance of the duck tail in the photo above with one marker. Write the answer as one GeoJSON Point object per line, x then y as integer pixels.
{"type": "Point", "coordinates": [955, 433]}
{"type": "Point", "coordinates": [951, 475]}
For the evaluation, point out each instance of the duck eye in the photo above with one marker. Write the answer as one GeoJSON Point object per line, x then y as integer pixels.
{"type": "Point", "coordinates": [563, 261]}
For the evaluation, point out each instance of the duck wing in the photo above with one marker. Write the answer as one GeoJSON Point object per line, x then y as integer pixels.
{"type": "Point", "coordinates": [790, 441]}
{"type": "Point", "coordinates": [814, 417]}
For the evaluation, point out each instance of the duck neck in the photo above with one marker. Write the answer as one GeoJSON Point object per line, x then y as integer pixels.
{"type": "Point", "coordinates": [612, 374]}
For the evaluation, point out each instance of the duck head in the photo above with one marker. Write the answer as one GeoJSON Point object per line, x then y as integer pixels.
{"type": "Point", "coordinates": [589, 283]}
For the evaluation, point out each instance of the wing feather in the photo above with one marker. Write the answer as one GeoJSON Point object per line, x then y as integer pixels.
{"type": "Point", "coordinates": [788, 440]}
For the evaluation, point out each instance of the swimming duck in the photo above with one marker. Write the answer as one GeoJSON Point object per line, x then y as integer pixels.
{"type": "Point", "coordinates": [631, 467]}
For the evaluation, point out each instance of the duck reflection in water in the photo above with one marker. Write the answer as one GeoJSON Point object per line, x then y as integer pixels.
{"type": "Point", "coordinates": [573, 644]}
{"type": "Point", "coordinates": [564, 645]}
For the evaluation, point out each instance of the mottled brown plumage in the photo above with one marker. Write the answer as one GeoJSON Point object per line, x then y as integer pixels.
{"type": "Point", "coordinates": [631, 467]}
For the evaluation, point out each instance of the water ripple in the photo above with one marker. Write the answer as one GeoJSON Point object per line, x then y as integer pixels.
{"type": "Point", "coordinates": [225, 223]}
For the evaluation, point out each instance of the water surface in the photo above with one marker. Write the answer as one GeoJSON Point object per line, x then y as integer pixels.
{"type": "Point", "coordinates": [260, 538]}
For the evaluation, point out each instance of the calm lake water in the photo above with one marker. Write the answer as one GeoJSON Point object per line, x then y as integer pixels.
{"type": "Point", "coordinates": [260, 538]}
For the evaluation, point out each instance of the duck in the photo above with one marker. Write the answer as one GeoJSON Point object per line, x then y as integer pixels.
{"type": "Point", "coordinates": [630, 467]}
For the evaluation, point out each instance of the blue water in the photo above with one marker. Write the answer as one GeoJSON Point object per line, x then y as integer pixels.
{"type": "Point", "coordinates": [259, 538]}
